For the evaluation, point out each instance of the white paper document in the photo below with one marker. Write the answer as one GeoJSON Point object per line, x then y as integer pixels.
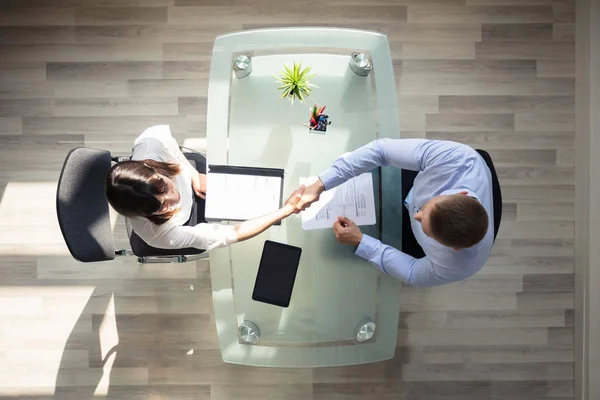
{"type": "Point", "coordinates": [238, 197]}
{"type": "Point", "coordinates": [354, 199]}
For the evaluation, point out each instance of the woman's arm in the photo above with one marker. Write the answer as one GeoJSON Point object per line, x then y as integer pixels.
{"type": "Point", "coordinates": [185, 163]}
{"type": "Point", "coordinates": [198, 179]}
{"type": "Point", "coordinates": [248, 229]}
{"type": "Point", "coordinates": [212, 236]}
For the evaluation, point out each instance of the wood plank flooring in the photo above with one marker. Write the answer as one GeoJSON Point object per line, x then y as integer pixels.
{"type": "Point", "coordinates": [495, 74]}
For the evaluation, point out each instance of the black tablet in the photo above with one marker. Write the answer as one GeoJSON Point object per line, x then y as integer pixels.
{"type": "Point", "coordinates": [276, 273]}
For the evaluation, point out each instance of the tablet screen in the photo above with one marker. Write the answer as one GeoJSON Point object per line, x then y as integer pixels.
{"type": "Point", "coordinates": [276, 273]}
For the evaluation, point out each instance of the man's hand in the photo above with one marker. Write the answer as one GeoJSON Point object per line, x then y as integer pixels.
{"type": "Point", "coordinates": [347, 232]}
{"type": "Point", "coordinates": [289, 207]}
{"type": "Point", "coordinates": [199, 184]}
{"type": "Point", "coordinates": [311, 194]}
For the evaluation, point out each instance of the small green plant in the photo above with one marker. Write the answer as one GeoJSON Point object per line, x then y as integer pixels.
{"type": "Point", "coordinates": [296, 82]}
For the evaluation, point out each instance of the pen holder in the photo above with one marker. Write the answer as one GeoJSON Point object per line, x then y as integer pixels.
{"type": "Point", "coordinates": [318, 121]}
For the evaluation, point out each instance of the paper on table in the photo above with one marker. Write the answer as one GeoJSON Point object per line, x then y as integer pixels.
{"type": "Point", "coordinates": [353, 199]}
{"type": "Point", "coordinates": [241, 197]}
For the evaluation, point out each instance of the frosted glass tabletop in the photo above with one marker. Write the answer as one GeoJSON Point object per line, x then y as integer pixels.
{"type": "Point", "coordinates": [248, 124]}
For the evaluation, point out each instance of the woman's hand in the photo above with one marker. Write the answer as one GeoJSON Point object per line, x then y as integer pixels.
{"type": "Point", "coordinates": [289, 207]}
{"type": "Point", "coordinates": [248, 229]}
{"type": "Point", "coordinates": [199, 184]}
{"type": "Point", "coordinates": [310, 195]}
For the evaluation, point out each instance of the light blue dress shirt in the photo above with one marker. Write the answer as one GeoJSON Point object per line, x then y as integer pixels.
{"type": "Point", "coordinates": [444, 167]}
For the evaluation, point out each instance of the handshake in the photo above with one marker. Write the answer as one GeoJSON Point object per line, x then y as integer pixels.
{"type": "Point", "coordinates": [346, 231]}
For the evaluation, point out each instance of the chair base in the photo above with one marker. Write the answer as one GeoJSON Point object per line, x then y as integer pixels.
{"type": "Point", "coordinates": [171, 260]}
{"type": "Point", "coordinates": [174, 259]}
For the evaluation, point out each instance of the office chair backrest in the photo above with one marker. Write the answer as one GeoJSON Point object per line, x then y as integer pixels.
{"type": "Point", "coordinates": [82, 207]}
{"type": "Point", "coordinates": [496, 191]}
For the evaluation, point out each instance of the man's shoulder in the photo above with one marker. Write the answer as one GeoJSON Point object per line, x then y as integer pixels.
{"type": "Point", "coordinates": [468, 260]}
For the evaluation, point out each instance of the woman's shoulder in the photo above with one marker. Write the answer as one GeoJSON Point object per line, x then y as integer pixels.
{"type": "Point", "coordinates": [155, 143]}
{"type": "Point", "coordinates": [158, 132]}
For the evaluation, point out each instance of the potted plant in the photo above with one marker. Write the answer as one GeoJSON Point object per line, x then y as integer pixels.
{"type": "Point", "coordinates": [295, 82]}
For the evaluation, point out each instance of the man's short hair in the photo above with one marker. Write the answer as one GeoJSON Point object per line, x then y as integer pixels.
{"type": "Point", "coordinates": [458, 221]}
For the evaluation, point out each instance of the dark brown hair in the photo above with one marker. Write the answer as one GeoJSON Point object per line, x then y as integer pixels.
{"type": "Point", "coordinates": [132, 186]}
{"type": "Point", "coordinates": [458, 221]}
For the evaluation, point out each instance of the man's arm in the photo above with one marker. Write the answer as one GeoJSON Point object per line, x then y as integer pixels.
{"type": "Point", "coordinates": [400, 153]}
{"type": "Point", "coordinates": [414, 271]}
{"type": "Point", "coordinates": [411, 154]}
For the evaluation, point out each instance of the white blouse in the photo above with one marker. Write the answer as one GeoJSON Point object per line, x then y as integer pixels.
{"type": "Point", "coordinates": [157, 143]}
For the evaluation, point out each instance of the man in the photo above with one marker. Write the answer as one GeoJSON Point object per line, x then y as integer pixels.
{"type": "Point", "coordinates": [450, 208]}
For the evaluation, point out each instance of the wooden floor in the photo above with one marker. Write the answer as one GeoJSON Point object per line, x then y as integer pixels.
{"type": "Point", "coordinates": [496, 74]}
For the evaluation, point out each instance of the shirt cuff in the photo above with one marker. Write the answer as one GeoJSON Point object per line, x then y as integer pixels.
{"type": "Point", "coordinates": [367, 247]}
{"type": "Point", "coordinates": [330, 179]}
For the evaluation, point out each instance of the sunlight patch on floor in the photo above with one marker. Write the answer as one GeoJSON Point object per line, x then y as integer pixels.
{"type": "Point", "coordinates": [109, 339]}
{"type": "Point", "coordinates": [35, 324]}
{"type": "Point", "coordinates": [28, 221]}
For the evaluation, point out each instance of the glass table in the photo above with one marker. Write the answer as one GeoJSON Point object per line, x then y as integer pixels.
{"type": "Point", "coordinates": [338, 299]}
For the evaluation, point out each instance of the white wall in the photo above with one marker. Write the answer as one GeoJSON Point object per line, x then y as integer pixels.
{"type": "Point", "coordinates": [587, 235]}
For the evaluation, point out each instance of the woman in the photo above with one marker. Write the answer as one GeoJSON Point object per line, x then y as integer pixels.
{"type": "Point", "coordinates": [155, 190]}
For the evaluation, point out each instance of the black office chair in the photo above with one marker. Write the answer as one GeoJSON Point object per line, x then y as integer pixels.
{"type": "Point", "coordinates": [409, 243]}
{"type": "Point", "coordinates": [496, 191]}
{"type": "Point", "coordinates": [83, 215]}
